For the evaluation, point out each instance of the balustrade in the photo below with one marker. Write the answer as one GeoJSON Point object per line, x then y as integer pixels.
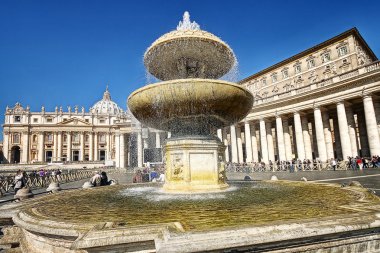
{"type": "Point", "coordinates": [36, 181]}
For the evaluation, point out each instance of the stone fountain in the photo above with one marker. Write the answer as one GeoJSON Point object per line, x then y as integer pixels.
{"type": "Point", "coordinates": [268, 216]}
{"type": "Point", "coordinates": [191, 103]}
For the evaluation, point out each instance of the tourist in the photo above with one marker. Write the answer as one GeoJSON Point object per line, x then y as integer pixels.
{"type": "Point", "coordinates": [333, 163]}
{"type": "Point", "coordinates": [154, 175]}
{"type": "Point", "coordinates": [161, 178]}
{"type": "Point", "coordinates": [19, 181]}
{"type": "Point", "coordinates": [96, 179]}
{"type": "Point", "coordinates": [103, 179]}
{"type": "Point", "coordinates": [359, 163]}
{"type": "Point", "coordinates": [365, 163]}
{"type": "Point", "coordinates": [138, 177]}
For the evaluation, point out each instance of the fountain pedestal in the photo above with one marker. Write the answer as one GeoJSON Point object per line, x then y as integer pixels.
{"type": "Point", "coordinates": [194, 164]}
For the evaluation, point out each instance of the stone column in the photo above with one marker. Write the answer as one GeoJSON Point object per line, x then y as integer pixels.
{"type": "Point", "coordinates": [41, 145]}
{"type": "Point", "coordinates": [352, 131]}
{"type": "Point", "coordinates": [299, 136]}
{"type": "Point", "coordinates": [263, 141]}
{"type": "Point", "coordinates": [376, 105]}
{"type": "Point", "coordinates": [139, 149]}
{"type": "Point", "coordinates": [364, 146]}
{"type": "Point", "coordinates": [371, 124]}
{"type": "Point", "coordinates": [117, 150]}
{"type": "Point", "coordinates": [81, 153]}
{"type": "Point", "coordinates": [122, 150]}
{"type": "Point", "coordinates": [280, 139]}
{"type": "Point", "coordinates": [6, 145]}
{"type": "Point", "coordinates": [25, 147]}
{"type": "Point", "coordinates": [96, 147]}
{"type": "Point", "coordinates": [248, 141]}
{"type": "Point", "coordinates": [59, 146]}
{"type": "Point", "coordinates": [239, 144]}
{"type": "Point", "coordinates": [268, 126]}
{"type": "Point", "coordinates": [234, 149]}
{"type": "Point", "coordinates": [68, 146]}
{"type": "Point", "coordinates": [255, 151]}
{"type": "Point", "coordinates": [55, 146]}
{"type": "Point", "coordinates": [320, 134]}
{"type": "Point", "coordinates": [158, 140]}
{"type": "Point", "coordinates": [91, 146]}
{"type": "Point", "coordinates": [225, 142]}
{"type": "Point", "coordinates": [287, 141]}
{"type": "Point", "coordinates": [343, 131]}
{"type": "Point", "coordinates": [338, 146]}
{"type": "Point", "coordinates": [306, 138]}
{"type": "Point", "coordinates": [328, 136]}
{"type": "Point", "coordinates": [109, 146]}
{"type": "Point", "coordinates": [219, 134]}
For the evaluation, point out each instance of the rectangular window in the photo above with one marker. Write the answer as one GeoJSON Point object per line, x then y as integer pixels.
{"type": "Point", "coordinates": [75, 137]}
{"type": "Point", "coordinates": [16, 138]}
{"type": "Point", "coordinates": [297, 68]}
{"type": "Point", "coordinates": [342, 51]}
{"type": "Point", "coordinates": [102, 121]}
{"type": "Point", "coordinates": [325, 57]}
{"type": "Point", "coordinates": [264, 82]}
{"type": "Point", "coordinates": [49, 137]}
{"type": "Point", "coordinates": [35, 120]}
{"type": "Point", "coordinates": [285, 73]}
{"type": "Point", "coordinates": [311, 63]}
{"type": "Point", "coordinates": [87, 120]}
{"type": "Point", "coordinates": [49, 120]}
{"type": "Point", "coordinates": [17, 118]}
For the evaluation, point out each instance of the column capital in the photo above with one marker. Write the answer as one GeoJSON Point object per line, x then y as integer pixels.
{"type": "Point", "coordinates": [341, 102]}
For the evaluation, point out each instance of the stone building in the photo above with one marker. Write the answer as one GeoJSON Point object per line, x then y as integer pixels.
{"type": "Point", "coordinates": [319, 104]}
{"type": "Point", "coordinates": [105, 133]}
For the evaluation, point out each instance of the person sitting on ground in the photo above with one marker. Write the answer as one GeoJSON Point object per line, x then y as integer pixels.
{"type": "Point", "coordinates": [103, 179]}
{"type": "Point", "coordinates": [96, 179]}
{"type": "Point", "coordinates": [154, 175]}
{"type": "Point", "coordinates": [19, 181]}
{"type": "Point", "coordinates": [138, 177]}
{"type": "Point", "coordinates": [161, 178]}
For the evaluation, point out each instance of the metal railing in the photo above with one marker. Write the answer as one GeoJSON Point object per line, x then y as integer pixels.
{"type": "Point", "coordinates": [259, 167]}
{"type": "Point", "coordinates": [36, 181]}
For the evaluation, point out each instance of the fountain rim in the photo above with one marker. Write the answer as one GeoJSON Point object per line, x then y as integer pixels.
{"type": "Point", "coordinates": [27, 217]}
{"type": "Point", "coordinates": [187, 80]}
{"type": "Point", "coordinates": [187, 34]}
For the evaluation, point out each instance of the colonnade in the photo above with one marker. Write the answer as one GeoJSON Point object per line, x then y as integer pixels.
{"type": "Point", "coordinates": [322, 132]}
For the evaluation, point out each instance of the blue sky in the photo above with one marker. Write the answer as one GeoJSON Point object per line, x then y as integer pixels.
{"type": "Point", "coordinates": [55, 53]}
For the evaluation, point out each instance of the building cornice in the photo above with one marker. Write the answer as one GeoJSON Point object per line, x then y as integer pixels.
{"type": "Point", "coordinates": [353, 31]}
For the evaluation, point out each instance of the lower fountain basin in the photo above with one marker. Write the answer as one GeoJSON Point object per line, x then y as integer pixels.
{"type": "Point", "coordinates": [245, 216]}
{"type": "Point", "coordinates": [190, 106]}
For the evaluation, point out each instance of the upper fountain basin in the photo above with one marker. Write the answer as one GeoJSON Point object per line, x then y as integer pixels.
{"type": "Point", "coordinates": [190, 106]}
{"type": "Point", "coordinates": [189, 54]}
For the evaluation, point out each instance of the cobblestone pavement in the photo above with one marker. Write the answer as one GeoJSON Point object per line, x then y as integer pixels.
{"type": "Point", "coordinates": [369, 178]}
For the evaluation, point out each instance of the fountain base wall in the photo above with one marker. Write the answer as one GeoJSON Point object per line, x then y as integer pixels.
{"type": "Point", "coordinates": [194, 165]}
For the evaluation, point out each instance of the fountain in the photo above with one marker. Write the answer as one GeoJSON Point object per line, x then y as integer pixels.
{"type": "Point", "coordinates": [195, 210]}
{"type": "Point", "coordinates": [191, 103]}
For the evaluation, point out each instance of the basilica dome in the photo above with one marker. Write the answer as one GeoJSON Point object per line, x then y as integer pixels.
{"type": "Point", "coordinates": [106, 105]}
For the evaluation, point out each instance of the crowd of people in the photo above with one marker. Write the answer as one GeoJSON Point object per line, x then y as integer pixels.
{"type": "Point", "coordinates": [149, 175]}
{"type": "Point", "coordinates": [357, 163]}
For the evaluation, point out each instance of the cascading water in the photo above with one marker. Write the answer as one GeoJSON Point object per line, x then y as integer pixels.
{"type": "Point", "coordinates": [191, 103]}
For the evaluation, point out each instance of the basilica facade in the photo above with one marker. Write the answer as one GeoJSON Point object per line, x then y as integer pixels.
{"type": "Point", "coordinates": [320, 104]}
{"type": "Point", "coordinates": [105, 133]}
